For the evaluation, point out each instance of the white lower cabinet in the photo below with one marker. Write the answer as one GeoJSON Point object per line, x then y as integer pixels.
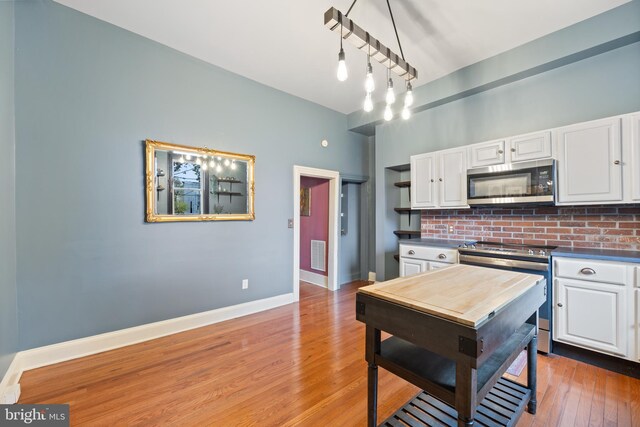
{"type": "Point", "coordinates": [416, 259]}
{"type": "Point", "coordinates": [637, 292]}
{"type": "Point", "coordinates": [409, 267]}
{"type": "Point", "coordinates": [433, 265]}
{"type": "Point", "coordinates": [592, 315]}
{"type": "Point", "coordinates": [596, 306]}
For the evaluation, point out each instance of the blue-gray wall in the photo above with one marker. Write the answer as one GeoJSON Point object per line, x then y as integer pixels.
{"type": "Point", "coordinates": [600, 80]}
{"type": "Point", "coordinates": [8, 304]}
{"type": "Point", "coordinates": [87, 94]}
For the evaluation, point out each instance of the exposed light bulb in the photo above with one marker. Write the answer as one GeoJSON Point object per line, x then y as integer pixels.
{"type": "Point", "coordinates": [342, 67]}
{"type": "Point", "coordinates": [181, 159]}
{"type": "Point", "coordinates": [391, 96]}
{"type": "Point", "coordinates": [219, 158]}
{"type": "Point", "coordinates": [212, 163]}
{"type": "Point", "coordinates": [388, 114]}
{"type": "Point", "coordinates": [368, 103]}
{"type": "Point", "coordinates": [188, 157]}
{"type": "Point", "coordinates": [198, 161]}
{"type": "Point", "coordinates": [219, 168]}
{"type": "Point", "coordinates": [233, 165]}
{"type": "Point", "coordinates": [204, 166]}
{"type": "Point", "coordinates": [408, 98]}
{"type": "Point", "coordinates": [406, 113]}
{"type": "Point", "coordinates": [227, 162]}
{"type": "Point", "coordinates": [369, 83]}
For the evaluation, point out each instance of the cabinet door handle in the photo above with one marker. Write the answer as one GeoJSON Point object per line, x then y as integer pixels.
{"type": "Point", "coordinates": [588, 271]}
{"type": "Point", "coordinates": [432, 180]}
{"type": "Point", "coordinates": [560, 305]}
{"type": "Point", "coordinates": [616, 162]}
{"type": "Point", "coordinates": [411, 252]}
{"type": "Point", "coordinates": [513, 150]}
{"type": "Point", "coordinates": [440, 179]}
{"type": "Point", "coordinates": [500, 151]}
{"type": "Point", "coordinates": [442, 256]}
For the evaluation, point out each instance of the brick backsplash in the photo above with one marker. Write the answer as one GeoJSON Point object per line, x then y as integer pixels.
{"type": "Point", "coordinates": [580, 227]}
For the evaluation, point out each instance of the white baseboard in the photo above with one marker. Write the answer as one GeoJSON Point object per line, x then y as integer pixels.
{"type": "Point", "coordinates": [9, 387]}
{"type": "Point", "coordinates": [314, 278]}
{"type": "Point", "coordinates": [68, 350]}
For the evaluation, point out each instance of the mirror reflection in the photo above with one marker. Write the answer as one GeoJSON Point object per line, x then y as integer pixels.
{"type": "Point", "coordinates": [190, 183]}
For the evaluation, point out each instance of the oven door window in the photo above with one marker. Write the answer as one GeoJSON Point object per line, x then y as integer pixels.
{"type": "Point", "coordinates": [511, 185]}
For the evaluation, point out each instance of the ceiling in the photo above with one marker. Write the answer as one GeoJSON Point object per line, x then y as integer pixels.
{"type": "Point", "coordinates": [284, 44]}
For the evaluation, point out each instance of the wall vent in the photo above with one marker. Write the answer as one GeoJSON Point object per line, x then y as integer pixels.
{"type": "Point", "coordinates": [318, 261]}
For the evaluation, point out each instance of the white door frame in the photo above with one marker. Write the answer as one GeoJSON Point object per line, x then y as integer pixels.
{"type": "Point", "coordinates": [334, 215]}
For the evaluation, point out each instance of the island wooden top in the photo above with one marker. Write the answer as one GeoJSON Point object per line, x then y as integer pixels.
{"type": "Point", "coordinates": [464, 294]}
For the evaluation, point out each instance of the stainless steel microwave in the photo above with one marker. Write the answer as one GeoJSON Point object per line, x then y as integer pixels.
{"type": "Point", "coordinates": [513, 184]}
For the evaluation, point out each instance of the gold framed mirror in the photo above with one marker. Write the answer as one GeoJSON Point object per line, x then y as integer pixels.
{"type": "Point", "coordinates": [197, 184]}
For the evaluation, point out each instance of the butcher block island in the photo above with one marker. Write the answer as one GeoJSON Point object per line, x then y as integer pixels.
{"type": "Point", "coordinates": [455, 331]}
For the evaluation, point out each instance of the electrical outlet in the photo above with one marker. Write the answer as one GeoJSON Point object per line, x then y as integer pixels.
{"type": "Point", "coordinates": [245, 283]}
{"type": "Point", "coordinates": [450, 228]}
{"type": "Point", "coordinates": [290, 223]}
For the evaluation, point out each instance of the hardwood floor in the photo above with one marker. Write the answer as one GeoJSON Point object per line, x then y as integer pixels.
{"type": "Point", "coordinates": [297, 365]}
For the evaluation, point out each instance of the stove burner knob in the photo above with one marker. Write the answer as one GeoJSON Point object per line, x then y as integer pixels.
{"type": "Point", "coordinates": [472, 246]}
{"type": "Point", "coordinates": [542, 252]}
{"type": "Point", "coordinates": [464, 246]}
{"type": "Point", "coordinates": [531, 252]}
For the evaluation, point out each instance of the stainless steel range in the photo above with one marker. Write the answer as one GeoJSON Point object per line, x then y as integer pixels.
{"type": "Point", "coordinates": [521, 258]}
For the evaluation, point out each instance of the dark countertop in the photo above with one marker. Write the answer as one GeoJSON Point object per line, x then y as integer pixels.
{"type": "Point", "coordinates": [439, 243]}
{"type": "Point", "coordinates": [602, 254]}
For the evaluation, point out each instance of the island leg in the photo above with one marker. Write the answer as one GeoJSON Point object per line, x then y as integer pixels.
{"type": "Point", "coordinates": [372, 347]}
{"type": "Point", "coordinates": [532, 363]}
{"type": "Point", "coordinates": [466, 393]}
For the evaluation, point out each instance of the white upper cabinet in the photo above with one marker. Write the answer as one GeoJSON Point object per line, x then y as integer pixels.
{"type": "Point", "coordinates": [589, 162]}
{"type": "Point", "coordinates": [423, 186]}
{"type": "Point", "coordinates": [635, 156]}
{"type": "Point", "coordinates": [487, 153]}
{"type": "Point", "coordinates": [452, 177]}
{"type": "Point", "coordinates": [439, 179]}
{"type": "Point", "coordinates": [531, 146]}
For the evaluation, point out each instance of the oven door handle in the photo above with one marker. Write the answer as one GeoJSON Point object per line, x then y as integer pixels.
{"type": "Point", "coordinates": [501, 262]}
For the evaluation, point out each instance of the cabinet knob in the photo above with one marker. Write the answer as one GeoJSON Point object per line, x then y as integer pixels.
{"type": "Point", "coordinates": [560, 304]}
{"type": "Point", "coordinates": [432, 180]}
{"type": "Point", "coordinates": [513, 150]}
{"type": "Point", "coordinates": [440, 179]}
{"type": "Point", "coordinates": [617, 162]}
{"type": "Point", "coordinates": [500, 151]}
{"type": "Point", "coordinates": [411, 252]}
{"type": "Point", "coordinates": [442, 256]}
{"type": "Point", "coordinates": [588, 271]}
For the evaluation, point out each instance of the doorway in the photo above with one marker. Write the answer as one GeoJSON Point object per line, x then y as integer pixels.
{"type": "Point", "coordinates": [333, 225]}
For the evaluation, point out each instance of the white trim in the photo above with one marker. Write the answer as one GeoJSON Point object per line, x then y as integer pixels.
{"type": "Point", "coordinates": [68, 350]}
{"type": "Point", "coordinates": [334, 207]}
{"type": "Point", "coordinates": [9, 387]}
{"type": "Point", "coordinates": [314, 278]}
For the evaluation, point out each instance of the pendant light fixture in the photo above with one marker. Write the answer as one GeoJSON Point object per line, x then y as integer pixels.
{"type": "Point", "coordinates": [342, 74]}
{"type": "Point", "coordinates": [369, 83]}
{"type": "Point", "coordinates": [408, 97]}
{"type": "Point", "coordinates": [336, 21]}
{"type": "Point", "coordinates": [408, 101]}
{"type": "Point", "coordinates": [391, 96]}
{"type": "Point", "coordinates": [388, 114]}
{"type": "Point", "coordinates": [368, 103]}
